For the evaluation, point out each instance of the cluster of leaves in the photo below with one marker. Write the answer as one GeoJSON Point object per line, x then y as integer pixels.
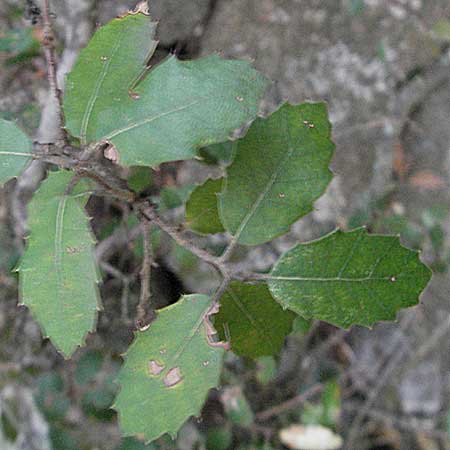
{"type": "Point", "coordinates": [274, 175]}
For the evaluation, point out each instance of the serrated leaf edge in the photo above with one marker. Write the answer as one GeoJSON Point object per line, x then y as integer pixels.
{"type": "Point", "coordinates": [255, 206]}
{"type": "Point", "coordinates": [209, 332]}
{"type": "Point", "coordinates": [395, 319]}
{"type": "Point", "coordinates": [96, 310]}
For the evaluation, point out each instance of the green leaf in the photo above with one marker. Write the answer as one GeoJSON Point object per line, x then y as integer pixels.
{"type": "Point", "coordinates": [98, 88]}
{"type": "Point", "coordinates": [19, 44]}
{"type": "Point", "coordinates": [219, 437]}
{"type": "Point", "coordinates": [58, 276]}
{"type": "Point", "coordinates": [349, 278]}
{"type": "Point", "coordinates": [165, 114]}
{"type": "Point", "coordinates": [266, 369]}
{"type": "Point", "coordinates": [134, 444]}
{"type": "Point", "coordinates": [256, 322]}
{"type": "Point", "coordinates": [237, 406]}
{"type": "Point", "coordinates": [174, 196]}
{"type": "Point", "coordinates": [280, 168]}
{"type": "Point", "coordinates": [217, 153]}
{"type": "Point", "coordinates": [15, 150]}
{"type": "Point", "coordinates": [140, 178]}
{"type": "Point", "coordinates": [202, 213]}
{"type": "Point", "coordinates": [168, 370]}
{"type": "Point", "coordinates": [441, 29]}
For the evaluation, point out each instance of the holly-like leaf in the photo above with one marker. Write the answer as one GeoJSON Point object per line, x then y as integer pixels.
{"type": "Point", "coordinates": [165, 114]}
{"type": "Point", "coordinates": [15, 150]}
{"type": "Point", "coordinates": [279, 169]}
{"type": "Point", "coordinates": [58, 276]}
{"type": "Point", "coordinates": [169, 370]}
{"type": "Point", "coordinates": [202, 213]}
{"type": "Point", "coordinates": [98, 89]}
{"type": "Point", "coordinates": [349, 278]}
{"type": "Point", "coordinates": [255, 321]}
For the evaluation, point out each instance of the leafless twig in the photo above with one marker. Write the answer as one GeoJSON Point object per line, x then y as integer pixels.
{"type": "Point", "coordinates": [382, 379]}
{"type": "Point", "coordinates": [50, 57]}
{"type": "Point", "coordinates": [290, 404]}
{"type": "Point", "coordinates": [411, 424]}
{"type": "Point", "coordinates": [178, 237]}
{"type": "Point", "coordinates": [144, 300]}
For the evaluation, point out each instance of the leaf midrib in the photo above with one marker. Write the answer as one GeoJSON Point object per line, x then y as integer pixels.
{"type": "Point", "coordinates": [193, 332]}
{"type": "Point", "coordinates": [334, 279]}
{"type": "Point", "coordinates": [94, 96]}
{"type": "Point", "coordinates": [57, 257]}
{"type": "Point", "coordinates": [260, 327]}
{"type": "Point", "coordinates": [26, 155]}
{"type": "Point", "coordinates": [132, 126]}
{"type": "Point", "coordinates": [270, 184]}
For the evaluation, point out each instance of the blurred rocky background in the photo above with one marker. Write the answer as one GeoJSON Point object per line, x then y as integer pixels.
{"type": "Point", "coordinates": [383, 66]}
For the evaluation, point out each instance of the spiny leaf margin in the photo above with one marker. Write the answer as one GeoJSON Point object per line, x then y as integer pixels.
{"type": "Point", "coordinates": [349, 278]}
{"type": "Point", "coordinates": [57, 274]}
{"type": "Point", "coordinates": [178, 338]}
{"type": "Point", "coordinates": [165, 114]}
{"type": "Point", "coordinates": [15, 150]}
{"type": "Point", "coordinates": [257, 324]}
{"type": "Point", "coordinates": [279, 169]}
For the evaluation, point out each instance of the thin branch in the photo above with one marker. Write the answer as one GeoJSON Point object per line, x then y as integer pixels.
{"type": "Point", "coordinates": [406, 423]}
{"type": "Point", "coordinates": [382, 379]}
{"type": "Point", "coordinates": [290, 404]}
{"type": "Point", "coordinates": [50, 57]}
{"type": "Point", "coordinates": [430, 344]}
{"type": "Point", "coordinates": [391, 368]}
{"type": "Point", "coordinates": [178, 237]}
{"type": "Point", "coordinates": [145, 297]}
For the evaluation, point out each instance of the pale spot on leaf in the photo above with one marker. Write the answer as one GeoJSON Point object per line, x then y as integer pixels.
{"type": "Point", "coordinates": [72, 250]}
{"type": "Point", "coordinates": [112, 154]}
{"type": "Point", "coordinates": [173, 377]}
{"type": "Point", "coordinates": [155, 368]}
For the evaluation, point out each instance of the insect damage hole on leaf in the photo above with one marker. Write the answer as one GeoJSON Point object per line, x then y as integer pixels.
{"type": "Point", "coordinates": [173, 377]}
{"type": "Point", "coordinates": [211, 332]}
{"type": "Point", "coordinates": [155, 368]}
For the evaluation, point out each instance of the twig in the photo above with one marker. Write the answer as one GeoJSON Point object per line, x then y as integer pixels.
{"type": "Point", "coordinates": [144, 300]}
{"type": "Point", "coordinates": [50, 57]}
{"type": "Point", "coordinates": [177, 236]}
{"type": "Point", "coordinates": [390, 369]}
{"type": "Point", "coordinates": [116, 241]}
{"type": "Point", "coordinates": [111, 270]}
{"type": "Point", "coordinates": [410, 424]}
{"type": "Point", "coordinates": [430, 343]}
{"type": "Point", "coordinates": [382, 378]}
{"type": "Point", "coordinates": [290, 404]}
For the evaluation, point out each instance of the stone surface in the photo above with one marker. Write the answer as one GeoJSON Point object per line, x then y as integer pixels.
{"type": "Point", "coordinates": [178, 20]}
{"type": "Point", "coordinates": [354, 59]}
